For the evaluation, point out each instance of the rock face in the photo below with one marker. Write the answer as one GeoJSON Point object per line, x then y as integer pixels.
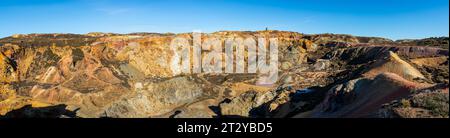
{"type": "Point", "coordinates": [392, 63]}
{"type": "Point", "coordinates": [157, 99]}
{"type": "Point", "coordinates": [364, 54]}
{"type": "Point", "coordinates": [130, 76]}
{"type": "Point", "coordinates": [244, 104]}
{"type": "Point", "coordinates": [389, 78]}
{"type": "Point", "coordinates": [363, 97]}
{"type": "Point", "coordinates": [442, 42]}
{"type": "Point", "coordinates": [339, 39]}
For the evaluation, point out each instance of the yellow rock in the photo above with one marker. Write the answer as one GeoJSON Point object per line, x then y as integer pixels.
{"type": "Point", "coordinates": [394, 64]}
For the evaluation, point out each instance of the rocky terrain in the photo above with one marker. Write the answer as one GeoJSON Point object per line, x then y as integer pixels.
{"type": "Point", "coordinates": [128, 76]}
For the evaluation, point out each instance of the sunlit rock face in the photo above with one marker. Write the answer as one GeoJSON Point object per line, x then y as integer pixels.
{"type": "Point", "coordinates": [131, 76]}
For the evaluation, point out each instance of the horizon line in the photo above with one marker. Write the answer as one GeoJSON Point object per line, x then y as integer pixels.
{"type": "Point", "coordinates": [210, 32]}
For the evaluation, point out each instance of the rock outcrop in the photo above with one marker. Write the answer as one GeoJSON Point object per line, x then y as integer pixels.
{"type": "Point", "coordinates": [393, 64]}
{"type": "Point", "coordinates": [364, 97]}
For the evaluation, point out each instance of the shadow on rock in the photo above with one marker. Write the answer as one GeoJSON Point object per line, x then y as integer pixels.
{"type": "Point", "coordinates": [296, 102]}
{"type": "Point", "coordinates": [57, 111]}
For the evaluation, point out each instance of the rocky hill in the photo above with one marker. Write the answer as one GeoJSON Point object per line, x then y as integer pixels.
{"type": "Point", "coordinates": [128, 76]}
{"type": "Point", "coordinates": [442, 42]}
{"type": "Point", "coordinates": [344, 39]}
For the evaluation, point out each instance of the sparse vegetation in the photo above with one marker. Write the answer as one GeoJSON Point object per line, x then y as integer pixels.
{"type": "Point", "coordinates": [77, 55]}
{"type": "Point", "coordinates": [436, 102]}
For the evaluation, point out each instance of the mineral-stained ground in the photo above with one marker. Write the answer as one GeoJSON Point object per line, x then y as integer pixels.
{"type": "Point", "coordinates": [129, 76]}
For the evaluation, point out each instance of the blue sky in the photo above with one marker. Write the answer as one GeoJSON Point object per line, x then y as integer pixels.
{"type": "Point", "coordinates": [394, 19]}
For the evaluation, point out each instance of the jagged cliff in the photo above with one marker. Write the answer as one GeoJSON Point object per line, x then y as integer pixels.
{"type": "Point", "coordinates": [129, 75]}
